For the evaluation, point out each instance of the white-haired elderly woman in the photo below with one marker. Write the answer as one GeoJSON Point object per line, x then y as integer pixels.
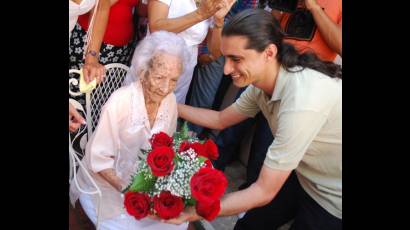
{"type": "Point", "coordinates": [193, 20]}
{"type": "Point", "coordinates": [128, 119]}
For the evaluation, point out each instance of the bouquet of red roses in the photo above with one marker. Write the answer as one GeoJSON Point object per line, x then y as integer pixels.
{"type": "Point", "coordinates": [176, 173]}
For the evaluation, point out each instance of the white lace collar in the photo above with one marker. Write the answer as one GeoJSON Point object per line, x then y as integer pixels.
{"type": "Point", "coordinates": [139, 115]}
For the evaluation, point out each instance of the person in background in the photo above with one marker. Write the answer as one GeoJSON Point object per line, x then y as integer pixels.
{"type": "Point", "coordinates": [207, 81]}
{"type": "Point", "coordinates": [92, 68]}
{"type": "Point", "coordinates": [118, 40]}
{"type": "Point", "coordinates": [315, 26]}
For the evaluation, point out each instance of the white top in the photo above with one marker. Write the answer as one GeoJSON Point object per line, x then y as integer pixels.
{"type": "Point", "coordinates": [123, 130]}
{"type": "Point", "coordinates": [305, 116]}
{"type": "Point", "coordinates": [76, 10]}
{"type": "Point", "coordinates": [195, 34]}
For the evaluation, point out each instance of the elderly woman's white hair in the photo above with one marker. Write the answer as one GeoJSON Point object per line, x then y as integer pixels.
{"type": "Point", "coordinates": [152, 44]}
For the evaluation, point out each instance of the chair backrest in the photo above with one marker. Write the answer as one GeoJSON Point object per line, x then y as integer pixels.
{"type": "Point", "coordinates": [94, 101]}
{"type": "Point", "coordinates": [114, 77]}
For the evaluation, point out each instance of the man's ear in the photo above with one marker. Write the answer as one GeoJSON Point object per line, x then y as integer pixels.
{"type": "Point", "coordinates": [271, 51]}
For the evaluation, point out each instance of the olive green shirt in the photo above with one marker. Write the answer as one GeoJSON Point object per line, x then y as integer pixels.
{"type": "Point", "coordinates": [305, 116]}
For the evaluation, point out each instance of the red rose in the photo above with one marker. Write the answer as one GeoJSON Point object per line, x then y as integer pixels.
{"type": "Point", "coordinates": [208, 185]}
{"type": "Point", "coordinates": [199, 149]}
{"type": "Point", "coordinates": [208, 211]}
{"type": "Point", "coordinates": [161, 139]}
{"type": "Point", "coordinates": [137, 204]}
{"type": "Point", "coordinates": [184, 146]}
{"type": "Point", "coordinates": [167, 205]}
{"type": "Point", "coordinates": [196, 146]}
{"type": "Point", "coordinates": [208, 164]}
{"type": "Point", "coordinates": [161, 160]}
{"type": "Point", "coordinates": [211, 149]}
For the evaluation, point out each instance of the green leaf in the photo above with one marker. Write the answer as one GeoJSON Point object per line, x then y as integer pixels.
{"type": "Point", "coordinates": [202, 159]}
{"type": "Point", "coordinates": [145, 151]}
{"type": "Point", "coordinates": [190, 202]}
{"type": "Point", "coordinates": [184, 130]}
{"type": "Point", "coordinates": [177, 159]}
{"type": "Point", "coordinates": [142, 182]}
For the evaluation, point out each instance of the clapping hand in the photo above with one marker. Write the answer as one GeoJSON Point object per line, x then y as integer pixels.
{"type": "Point", "coordinates": [210, 7]}
{"type": "Point", "coordinates": [221, 13]}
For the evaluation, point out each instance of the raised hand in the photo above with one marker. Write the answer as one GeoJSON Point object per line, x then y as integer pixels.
{"type": "Point", "coordinates": [221, 13]}
{"type": "Point", "coordinates": [311, 4]}
{"type": "Point", "coordinates": [208, 8]}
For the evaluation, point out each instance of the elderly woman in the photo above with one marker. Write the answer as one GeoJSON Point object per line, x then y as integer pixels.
{"type": "Point", "coordinates": [129, 118]}
{"type": "Point", "coordinates": [193, 21]}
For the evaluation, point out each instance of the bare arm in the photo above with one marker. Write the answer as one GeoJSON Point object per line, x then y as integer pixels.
{"type": "Point", "coordinates": [101, 20]}
{"type": "Point", "coordinates": [210, 118]}
{"type": "Point", "coordinates": [330, 31]}
{"type": "Point", "coordinates": [158, 16]}
{"type": "Point", "coordinates": [111, 177]}
{"type": "Point", "coordinates": [92, 68]}
{"type": "Point", "coordinates": [100, 24]}
{"type": "Point", "coordinates": [214, 40]}
{"type": "Point", "coordinates": [258, 194]}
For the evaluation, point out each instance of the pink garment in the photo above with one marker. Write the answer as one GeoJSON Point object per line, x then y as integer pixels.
{"type": "Point", "coordinates": [123, 130]}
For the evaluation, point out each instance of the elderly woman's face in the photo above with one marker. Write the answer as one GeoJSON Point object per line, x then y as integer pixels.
{"type": "Point", "coordinates": [162, 76]}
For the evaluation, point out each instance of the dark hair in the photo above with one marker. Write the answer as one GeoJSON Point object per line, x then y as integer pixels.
{"type": "Point", "coordinates": [262, 29]}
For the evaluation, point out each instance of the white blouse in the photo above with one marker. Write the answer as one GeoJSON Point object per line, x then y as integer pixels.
{"type": "Point", "coordinates": [76, 10]}
{"type": "Point", "coordinates": [195, 34]}
{"type": "Point", "coordinates": [123, 130]}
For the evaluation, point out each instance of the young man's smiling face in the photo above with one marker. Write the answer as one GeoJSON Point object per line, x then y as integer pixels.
{"type": "Point", "coordinates": [245, 66]}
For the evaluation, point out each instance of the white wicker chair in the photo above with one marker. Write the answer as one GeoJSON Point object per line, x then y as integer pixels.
{"type": "Point", "coordinates": [115, 75]}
